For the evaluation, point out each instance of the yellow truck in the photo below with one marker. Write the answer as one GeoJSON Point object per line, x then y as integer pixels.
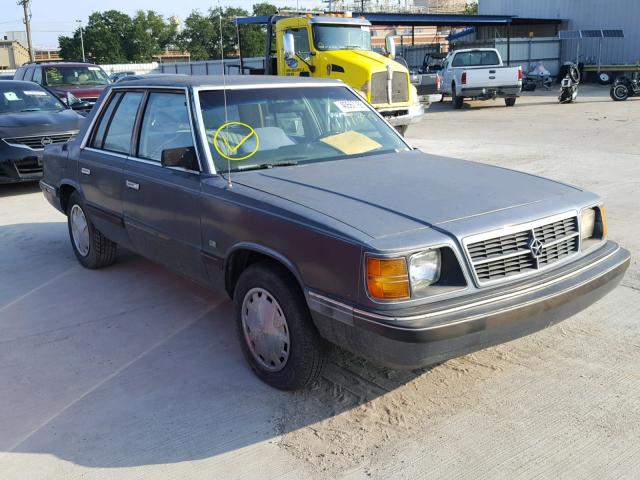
{"type": "Point", "coordinates": [338, 46]}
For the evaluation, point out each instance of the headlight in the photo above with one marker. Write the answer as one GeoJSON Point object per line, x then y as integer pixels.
{"type": "Point", "coordinates": [593, 226]}
{"type": "Point", "coordinates": [424, 270]}
{"type": "Point", "coordinates": [393, 279]}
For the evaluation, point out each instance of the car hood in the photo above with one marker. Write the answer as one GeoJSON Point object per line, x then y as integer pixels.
{"type": "Point", "coordinates": [34, 123]}
{"type": "Point", "coordinates": [390, 194]}
{"type": "Point", "coordinates": [79, 91]}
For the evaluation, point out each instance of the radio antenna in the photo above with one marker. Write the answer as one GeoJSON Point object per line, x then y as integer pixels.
{"type": "Point", "coordinates": [224, 95]}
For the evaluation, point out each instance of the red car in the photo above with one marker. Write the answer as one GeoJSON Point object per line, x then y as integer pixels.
{"type": "Point", "coordinates": [84, 81]}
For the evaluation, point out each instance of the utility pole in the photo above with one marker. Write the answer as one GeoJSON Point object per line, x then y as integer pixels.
{"type": "Point", "coordinates": [81, 40]}
{"type": "Point", "coordinates": [27, 23]}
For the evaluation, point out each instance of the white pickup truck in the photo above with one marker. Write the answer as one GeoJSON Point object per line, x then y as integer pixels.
{"type": "Point", "coordinates": [478, 73]}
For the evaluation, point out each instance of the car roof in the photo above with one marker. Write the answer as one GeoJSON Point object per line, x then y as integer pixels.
{"type": "Point", "coordinates": [21, 83]}
{"type": "Point", "coordinates": [190, 81]}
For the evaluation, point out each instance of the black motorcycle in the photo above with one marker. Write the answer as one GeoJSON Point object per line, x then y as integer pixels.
{"type": "Point", "coordinates": [624, 87]}
{"type": "Point", "coordinates": [569, 84]}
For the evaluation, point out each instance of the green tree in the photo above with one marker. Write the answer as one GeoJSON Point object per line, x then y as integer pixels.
{"type": "Point", "coordinates": [471, 8]}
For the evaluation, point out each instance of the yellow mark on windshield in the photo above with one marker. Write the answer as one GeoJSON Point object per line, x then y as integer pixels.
{"type": "Point", "coordinates": [231, 136]}
{"type": "Point", "coordinates": [351, 142]}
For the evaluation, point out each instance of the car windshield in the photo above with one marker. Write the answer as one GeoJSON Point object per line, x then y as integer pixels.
{"type": "Point", "coordinates": [76, 75]}
{"type": "Point", "coordinates": [342, 37]}
{"type": "Point", "coordinates": [476, 58]}
{"type": "Point", "coordinates": [266, 128]}
{"type": "Point", "coordinates": [27, 98]}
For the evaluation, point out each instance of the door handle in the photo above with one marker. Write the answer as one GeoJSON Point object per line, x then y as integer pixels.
{"type": "Point", "coordinates": [132, 185]}
{"type": "Point", "coordinates": [85, 171]}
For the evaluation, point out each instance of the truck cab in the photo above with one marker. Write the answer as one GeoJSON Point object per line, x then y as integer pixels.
{"type": "Point", "coordinates": [339, 47]}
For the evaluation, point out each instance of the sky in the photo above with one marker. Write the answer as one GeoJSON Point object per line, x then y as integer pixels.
{"type": "Point", "coordinates": [51, 18]}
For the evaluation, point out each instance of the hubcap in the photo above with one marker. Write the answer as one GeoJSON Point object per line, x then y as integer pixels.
{"type": "Point", "coordinates": [265, 329]}
{"type": "Point", "coordinates": [79, 230]}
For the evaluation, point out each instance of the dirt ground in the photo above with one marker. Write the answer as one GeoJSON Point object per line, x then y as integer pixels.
{"type": "Point", "coordinates": [134, 372]}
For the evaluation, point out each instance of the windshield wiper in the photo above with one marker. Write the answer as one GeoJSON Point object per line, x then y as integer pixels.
{"type": "Point", "coordinates": [262, 166]}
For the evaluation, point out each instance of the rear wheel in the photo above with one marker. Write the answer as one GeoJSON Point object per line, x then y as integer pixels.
{"type": "Point", "coordinates": [275, 329]}
{"type": "Point", "coordinates": [510, 102]}
{"type": "Point", "coordinates": [456, 100]}
{"type": "Point", "coordinates": [619, 92]}
{"type": "Point", "coordinates": [92, 249]}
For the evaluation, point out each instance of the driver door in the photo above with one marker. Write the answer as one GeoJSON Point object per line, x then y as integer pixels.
{"type": "Point", "coordinates": [300, 65]}
{"type": "Point", "coordinates": [162, 204]}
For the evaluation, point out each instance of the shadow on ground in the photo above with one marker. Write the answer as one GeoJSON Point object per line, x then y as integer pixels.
{"type": "Point", "coordinates": [133, 365]}
{"type": "Point", "coordinates": [13, 189]}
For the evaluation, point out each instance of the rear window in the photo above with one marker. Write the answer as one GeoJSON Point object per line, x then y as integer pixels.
{"type": "Point", "coordinates": [476, 59]}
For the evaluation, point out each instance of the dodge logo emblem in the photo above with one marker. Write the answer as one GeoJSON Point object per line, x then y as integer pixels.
{"type": "Point", "coordinates": [46, 141]}
{"type": "Point", "coordinates": [535, 246]}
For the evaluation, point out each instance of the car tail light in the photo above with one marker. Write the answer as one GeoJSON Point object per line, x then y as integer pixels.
{"type": "Point", "coordinates": [388, 278]}
{"type": "Point", "coordinates": [463, 78]}
{"type": "Point", "coordinates": [519, 73]}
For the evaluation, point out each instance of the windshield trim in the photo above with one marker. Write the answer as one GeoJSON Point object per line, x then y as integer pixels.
{"type": "Point", "coordinates": [203, 132]}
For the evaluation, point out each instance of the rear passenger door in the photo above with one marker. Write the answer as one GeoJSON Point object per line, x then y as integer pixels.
{"type": "Point", "coordinates": [162, 204]}
{"type": "Point", "coordinates": [102, 162]}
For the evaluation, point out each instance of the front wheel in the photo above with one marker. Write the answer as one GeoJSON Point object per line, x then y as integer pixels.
{"type": "Point", "coordinates": [92, 249]}
{"type": "Point", "coordinates": [402, 129]}
{"type": "Point", "coordinates": [275, 329]}
{"type": "Point", "coordinates": [509, 102]}
{"type": "Point", "coordinates": [619, 92]}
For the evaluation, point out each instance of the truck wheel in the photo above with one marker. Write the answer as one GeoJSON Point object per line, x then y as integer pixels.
{"type": "Point", "coordinates": [92, 249]}
{"type": "Point", "coordinates": [274, 326]}
{"type": "Point", "coordinates": [604, 78]}
{"type": "Point", "coordinates": [402, 129]}
{"type": "Point", "coordinates": [455, 100]}
{"type": "Point", "coordinates": [509, 102]}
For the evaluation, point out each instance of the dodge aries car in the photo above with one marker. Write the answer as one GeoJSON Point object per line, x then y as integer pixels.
{"type": "Point", "coordinates": [323, 224]}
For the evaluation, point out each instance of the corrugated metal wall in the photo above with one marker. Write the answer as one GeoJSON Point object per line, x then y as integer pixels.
{"type": "Point", "coordinates": [582, 15]}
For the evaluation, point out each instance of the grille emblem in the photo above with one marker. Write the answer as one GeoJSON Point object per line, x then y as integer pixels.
{"type": "Point", "coordinates": [46, 141]}
{"type": "Point", "coordinates": [535, 246]}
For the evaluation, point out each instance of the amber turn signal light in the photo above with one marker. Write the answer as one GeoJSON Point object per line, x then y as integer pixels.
{"type": "Point", "coordinates": [388, 278]}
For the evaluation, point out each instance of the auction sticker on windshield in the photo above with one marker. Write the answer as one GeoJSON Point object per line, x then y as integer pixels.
{"type": "Point", "coordinates": [236, 141]}
{"type": "Point", "coordinates": [349, 106]}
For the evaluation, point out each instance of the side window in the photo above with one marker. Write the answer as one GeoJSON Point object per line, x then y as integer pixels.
{"type": "Point", "coordinates": [37, 75]}
{"type": "Point", "coordinates": [301, 42]}
{"type": "Point", "coordinates": [118, 126]}
{"type": "Point", "coordinates": [165, 125]}
{"type": "Point", "coordinates": [19, 74]}
{"type": "Point", "coordinates": [98, 135]}
{"type": "Point", "coordinates": [29, 74]}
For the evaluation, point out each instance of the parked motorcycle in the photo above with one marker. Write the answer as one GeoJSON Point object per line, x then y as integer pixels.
{"type": "Point", "coordinates": [569, 84]}
{"type": "Point", "coordinates": [624, 87]}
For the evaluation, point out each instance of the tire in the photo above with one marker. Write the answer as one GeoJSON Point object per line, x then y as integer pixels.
{"type": "Point", "coordinates": [441, 98]}
{"type": "Point", "coordinates": [402, 129]}
{"type": "Point", "coordinates": [455, 100]}
{"type": "Point", "coordinates": [619, 92]}
{"type": "Point", "coordinates": [296, 360]}
{"type": "Point", "coordinates": [510, 102]}
{"type": "Point", "coordinates": [604, 78]}
{"type": "Point", "coordinates": [92, 249]}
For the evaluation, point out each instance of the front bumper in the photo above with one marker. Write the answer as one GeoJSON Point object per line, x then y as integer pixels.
{"type": "Point", "coordinates": [403, 116]}
{"type": "Point", "coordinates": [19, 164]}
{"type": "Point", "coordinates": [458, 326]}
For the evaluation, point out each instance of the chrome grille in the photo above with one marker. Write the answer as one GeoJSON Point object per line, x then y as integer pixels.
{"type": "Point", "coordinates": [400, 87]}
{"type": "Point", "coordinates": [499, 257]}
{"type": "Point", "coordinates": [36, 142]}
{"type": "Point", "coordinates": [379, 88]}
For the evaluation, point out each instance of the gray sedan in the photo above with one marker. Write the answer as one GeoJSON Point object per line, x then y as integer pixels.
{"type": "Point", "coordinates": [323, 224]}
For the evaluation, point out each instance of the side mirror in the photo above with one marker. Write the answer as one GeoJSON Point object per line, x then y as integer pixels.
{"type": "Point", "coordinates": [184, 157]}
{"type": "Point", "coordinates": [390, 47]}
{"type": "Point", "coordinates": [289, 46]}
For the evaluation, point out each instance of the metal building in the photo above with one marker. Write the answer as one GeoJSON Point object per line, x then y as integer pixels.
{"type": "Point", "coordinates": [582, 15]}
